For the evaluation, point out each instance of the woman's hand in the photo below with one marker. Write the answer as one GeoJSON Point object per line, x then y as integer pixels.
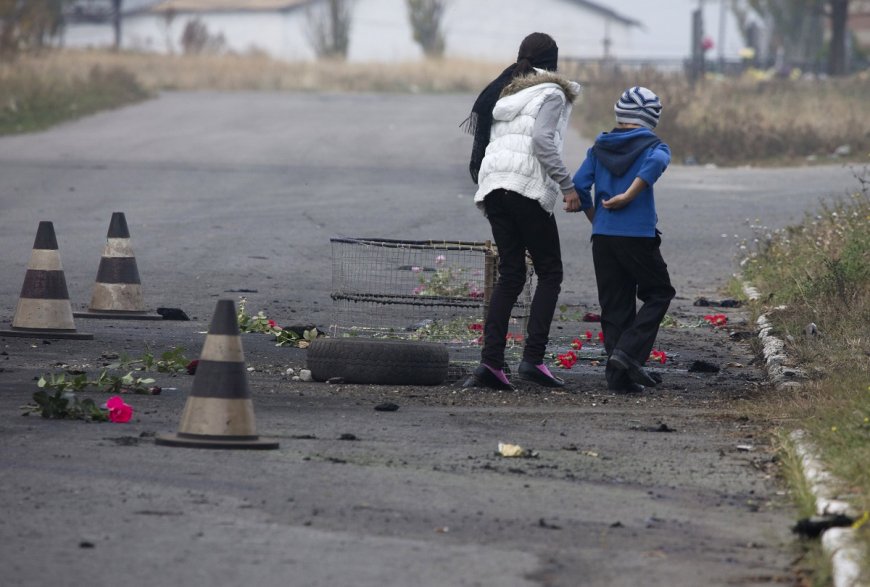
{"type": "Point", "coordinates": [572, 201]}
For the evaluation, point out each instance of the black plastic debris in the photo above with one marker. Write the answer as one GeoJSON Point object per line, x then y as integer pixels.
{"type": "Point", "coordinates": [173, 314]}
{"type": "Point", "coordinates": [813, 527]}
{"type": "Point", "coordinates": [387, 407]}
{"type": "Point", "coordinates": [726, 303]}
{"type": "Point", "coordinates": [662, 427]}
{"type": "Point", "coordinates": [700, 366]}
{"type": "Point", "coordinates": [548, 525]}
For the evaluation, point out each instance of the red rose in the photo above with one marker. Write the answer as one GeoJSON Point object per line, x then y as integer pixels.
{"type": "Point", "coordinates": [119, 411]}
{"type": "Point", "coordinates": [191, 367]}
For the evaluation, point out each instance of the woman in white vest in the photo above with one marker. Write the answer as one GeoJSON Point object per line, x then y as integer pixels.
{"type": "Point", "coordinates": [518, 122]}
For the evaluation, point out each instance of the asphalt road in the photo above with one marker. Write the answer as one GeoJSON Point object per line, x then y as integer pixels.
{"type": "Point", "coordinates": [243, 191]}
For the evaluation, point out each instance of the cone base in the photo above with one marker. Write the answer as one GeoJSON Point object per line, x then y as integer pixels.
{"type": "Point", "coordinates": [255, 443]}
{"type": "Point", "coordinates": [38, 333]}
{"type": "Point", "coordinates": [117, 315]}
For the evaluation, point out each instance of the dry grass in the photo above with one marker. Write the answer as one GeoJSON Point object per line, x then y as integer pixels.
{"type": "Point", "coordinates": [819, 272]}
{"type": "Point", "coordinates": [743, 121]}
{"type": "Point", "coordinates": [256, 72]}
{"type": "Point", "coordinates": [32, 98]}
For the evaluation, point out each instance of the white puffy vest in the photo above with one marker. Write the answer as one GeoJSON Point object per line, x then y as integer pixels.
{"type": "Point", "coordinates": [510, 162]}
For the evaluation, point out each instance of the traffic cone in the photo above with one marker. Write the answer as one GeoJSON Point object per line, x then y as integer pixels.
{"type": "Point", "coordinates": [118, 290]}
{"type": "Point", "coordinates": [219, 412]}
{"type": "Point", "coordinates": [43, 308]}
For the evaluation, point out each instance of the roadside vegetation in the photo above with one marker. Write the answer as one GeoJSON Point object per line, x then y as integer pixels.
{"type": "Point", "coordinates": [817, 277]}
{"type": "Point", "coordinates": [34, 95]}
{"type": "Point", "coordinates": [752, 120]}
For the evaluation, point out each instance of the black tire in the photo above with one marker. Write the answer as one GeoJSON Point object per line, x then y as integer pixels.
{"type": "Point", "coordinates": [383, 362]}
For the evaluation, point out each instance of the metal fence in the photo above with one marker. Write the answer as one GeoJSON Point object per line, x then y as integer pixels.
{"type": "Point", "coordinates": [435, 291]}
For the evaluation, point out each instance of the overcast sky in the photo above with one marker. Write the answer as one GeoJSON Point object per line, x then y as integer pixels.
{"type": "Point", "coordinates": [668, 27]}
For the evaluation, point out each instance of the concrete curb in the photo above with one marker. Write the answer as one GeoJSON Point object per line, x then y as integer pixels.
{"type": "Point", "coordinates": [841, 544]}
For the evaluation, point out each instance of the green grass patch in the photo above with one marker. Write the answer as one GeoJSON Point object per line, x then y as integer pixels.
{"type": "Point", "coordinates": [819, 273]}
{"type": "Point", "coordinates": [33, 99]}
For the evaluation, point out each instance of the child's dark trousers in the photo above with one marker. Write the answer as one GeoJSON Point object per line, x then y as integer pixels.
{"type": "Point", "coordinates": [627, 268]}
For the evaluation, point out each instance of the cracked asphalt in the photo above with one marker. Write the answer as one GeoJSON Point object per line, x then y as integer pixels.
{"type": "Point", "coordinates": [229, 191]}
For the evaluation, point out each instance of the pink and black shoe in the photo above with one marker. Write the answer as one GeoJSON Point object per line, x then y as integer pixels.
{"type": "Point", "coordinates": [486, 376]}
{"type": "Point", "coordinates": [539, 374]}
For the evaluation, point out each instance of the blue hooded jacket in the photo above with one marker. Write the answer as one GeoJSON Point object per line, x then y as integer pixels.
{"type": "Point", "coordinates": [611, 165]}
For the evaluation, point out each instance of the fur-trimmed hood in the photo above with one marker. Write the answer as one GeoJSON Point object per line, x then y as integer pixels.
{"type": "Point", "coordinates": [523, 90]}
{"type": "Point", "coordinates": [542, 76]}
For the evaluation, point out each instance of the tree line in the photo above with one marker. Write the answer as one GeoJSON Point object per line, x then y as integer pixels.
{"type": "Point", "coordinates": [27, 25]}
{"type": "Point", "coordinates": [797, 28]}
{"type": "Point", "coordinates": [800, 31]}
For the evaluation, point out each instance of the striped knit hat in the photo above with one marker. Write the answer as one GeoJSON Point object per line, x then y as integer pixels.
{"type": "Point", "coordinates": [638, 105]}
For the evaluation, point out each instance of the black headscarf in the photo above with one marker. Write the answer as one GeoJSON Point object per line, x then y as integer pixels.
{"type": "Point", "coordinates": [537, 50]}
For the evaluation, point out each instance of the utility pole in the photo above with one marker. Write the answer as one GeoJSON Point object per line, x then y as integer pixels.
{"type": "Point", "coordinates": [696, 68]}
{"type": "Point", "coordinates": [722, 16]}
{"type": "Point", "coordinates": [116, 22]}
{"type": "Point", "coordinates": [839, 32]}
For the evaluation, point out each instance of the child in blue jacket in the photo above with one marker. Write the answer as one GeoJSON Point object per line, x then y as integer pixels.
{"type": "Point", "coordinates": [623, 165]}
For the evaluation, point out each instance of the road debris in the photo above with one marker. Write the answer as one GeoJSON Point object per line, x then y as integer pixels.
{"type": "Point", "coordinates": [515, 451]}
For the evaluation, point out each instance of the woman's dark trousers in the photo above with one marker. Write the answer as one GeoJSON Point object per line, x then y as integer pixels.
{"type": "Point", "coordinates": [519, 224]}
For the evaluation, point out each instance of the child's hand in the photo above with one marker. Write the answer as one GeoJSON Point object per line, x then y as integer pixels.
{"type": "Point", "coordinates": [572, 201]}
{"type": "Point", "coordinates": [617, 202]}
{"type": "Point", "coordinates": [624, 199]}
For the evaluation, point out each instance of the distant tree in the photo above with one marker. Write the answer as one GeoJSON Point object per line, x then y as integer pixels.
{"type": "Point", "coordinates": [28, 24]}
{"type": "Point", "coordinates": [196, 39]}
{"type": "Point", "coordinates": [426, 18]}
{"type": "Point", "coordinates": [329, 28]}
{"type": "Point", "coordinates": [797, 28]}
{"type": "Point", "coordinates": [168, 18]}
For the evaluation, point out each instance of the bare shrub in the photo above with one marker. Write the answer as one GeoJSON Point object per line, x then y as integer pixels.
{"type": "Point", "coordinates": [739, 121]}
{"type": "Point", "coordinates": [28, 25]}
{"type": "Point", "coordinates": [426, 18]}
{"type": "Point", "coordinates": [195, 39]}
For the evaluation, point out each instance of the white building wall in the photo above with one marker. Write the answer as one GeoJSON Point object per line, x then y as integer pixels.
{"type": "Point", "coordinates": [280, 35]}
{"type": "Point", "coordinates": [489, 30]}
{"type": "Point", "coordinates": [381, 31]}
